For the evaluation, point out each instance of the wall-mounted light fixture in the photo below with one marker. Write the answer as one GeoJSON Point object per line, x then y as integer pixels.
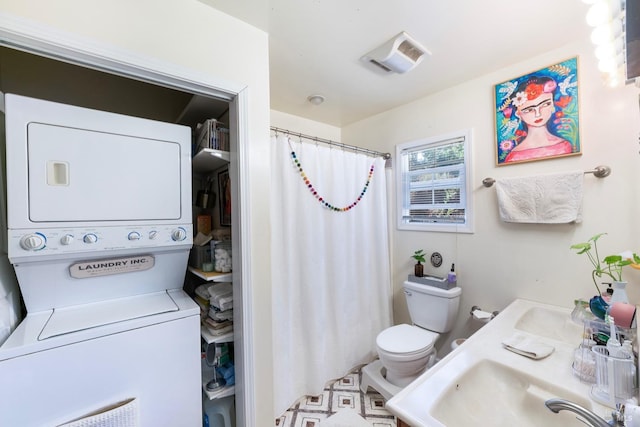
{"type": "Point", "coordinates": [607, 18]}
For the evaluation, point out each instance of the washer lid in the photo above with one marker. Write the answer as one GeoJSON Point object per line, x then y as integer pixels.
{"type": "Point", "coordinates": [405, 339]}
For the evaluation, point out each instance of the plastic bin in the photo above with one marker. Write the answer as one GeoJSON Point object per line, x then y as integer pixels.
{"type": "Point", "coordinates": [615, 377]}
{"type": "Point", "coordinates": [221, 253]}
{"type": "Point", "coordinates": [220, 412]}
{"type": "Point", "coordinates": [199, 255]}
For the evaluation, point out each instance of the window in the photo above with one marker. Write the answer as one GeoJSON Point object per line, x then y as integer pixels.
{"type": "Point", "coordinates": [433, 187]}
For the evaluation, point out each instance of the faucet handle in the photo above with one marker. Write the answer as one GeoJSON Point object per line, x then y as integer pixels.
{"type": "Point", "coordinates": [617, 416]}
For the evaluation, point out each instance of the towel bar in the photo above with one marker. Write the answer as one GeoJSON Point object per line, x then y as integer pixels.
{"type": "Point", "coordinates": [599, 172]}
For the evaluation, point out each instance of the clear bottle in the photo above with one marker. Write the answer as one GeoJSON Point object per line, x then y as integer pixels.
{"type": "Point", "coordinates": [580, 314]}
{"type": "Point", "coordinates": [584, 362]}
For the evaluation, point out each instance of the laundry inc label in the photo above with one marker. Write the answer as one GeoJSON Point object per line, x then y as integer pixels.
{"type": "Point", "coordinates": [103, 267]}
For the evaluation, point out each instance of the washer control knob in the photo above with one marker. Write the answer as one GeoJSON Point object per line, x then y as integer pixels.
{"type": "Point", "coordinates": [90, 238]}
{"type": "Point", "coordinates": [178, 234]}
{"type": "Point", "coordinates": [153, 234]}
{"type": "Point", "coordinates": [33, 242]}
{"type": "Point", "coordinates": [134, 235]}
{"type": "Point", "coordinates": [67, 239]}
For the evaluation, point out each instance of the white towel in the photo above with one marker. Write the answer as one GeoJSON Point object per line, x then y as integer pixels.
{"type": "Point", "coordinates": [543, 199]}
{"type": "Point", "coordinates": [221, 296]}
{"type": "Point", "coordinates": [527, 346]}
{"type": "Point", "coordinates": [123, 414]}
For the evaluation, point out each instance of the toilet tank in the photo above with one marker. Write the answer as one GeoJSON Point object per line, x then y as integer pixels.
{"type": "Point", "coordinates": [432, 308]}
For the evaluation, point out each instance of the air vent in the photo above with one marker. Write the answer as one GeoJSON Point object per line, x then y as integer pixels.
{"type": "Point", "coordinates": [385, 68]}
{"type": "Point", "coordinates": [410, 50]}
{"type": "Point", "coordinates": [399, 55]}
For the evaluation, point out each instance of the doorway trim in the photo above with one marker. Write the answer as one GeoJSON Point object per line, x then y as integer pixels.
{"type": "Point", "coordinates": [30, 37]}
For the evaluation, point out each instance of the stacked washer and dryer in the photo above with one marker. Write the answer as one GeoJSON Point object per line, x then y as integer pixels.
{"type": "Point", "coordinates": [99, 229]}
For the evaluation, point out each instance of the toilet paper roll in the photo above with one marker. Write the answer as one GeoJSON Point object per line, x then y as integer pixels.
{"type": "Point", "coordinates": [456, 343]}
{"type": "Point", "coordinates": [483, 316]}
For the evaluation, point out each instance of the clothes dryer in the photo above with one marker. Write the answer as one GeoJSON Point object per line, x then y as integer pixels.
{"type": "Point", "coordinates": [99, 232]}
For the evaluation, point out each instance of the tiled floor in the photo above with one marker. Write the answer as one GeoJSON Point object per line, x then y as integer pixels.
{"type": "Point", "coordinates": [309, 411]}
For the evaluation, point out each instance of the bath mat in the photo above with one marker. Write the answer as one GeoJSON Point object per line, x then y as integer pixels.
{"type": "Point", "coordinates": [345, 418]}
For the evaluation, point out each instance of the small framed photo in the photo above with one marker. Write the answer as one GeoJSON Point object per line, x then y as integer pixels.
{"type": "Point", "coordinates": [537, 115]}
{"type": "Point", "coordinates": [224, 190]}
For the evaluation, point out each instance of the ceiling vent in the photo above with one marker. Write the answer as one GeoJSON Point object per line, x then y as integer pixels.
{"type": "Point", "coordinates": [398, 55]}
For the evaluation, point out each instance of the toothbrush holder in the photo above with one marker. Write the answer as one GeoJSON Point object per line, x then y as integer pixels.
{"type": "Point", "coordinates": [615, 377]}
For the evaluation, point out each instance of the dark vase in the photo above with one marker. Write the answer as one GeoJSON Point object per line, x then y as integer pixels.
{"type": "Point", "coordinates": [418, 270]}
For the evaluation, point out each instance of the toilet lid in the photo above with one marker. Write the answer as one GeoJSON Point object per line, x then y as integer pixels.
{"type": "Point", "coordinates": [405, 339]}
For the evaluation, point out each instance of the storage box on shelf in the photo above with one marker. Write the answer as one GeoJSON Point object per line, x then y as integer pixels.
{"type": "Point", "coordinates": [212, 134]}
{"type": "Point", "coordinates": [199, 256]}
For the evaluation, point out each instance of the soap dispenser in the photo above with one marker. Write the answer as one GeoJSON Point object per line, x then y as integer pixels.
{"type": "Point", "coordinates": [451, 277]}
{"type": "Point", "coordinates": [608, 293]}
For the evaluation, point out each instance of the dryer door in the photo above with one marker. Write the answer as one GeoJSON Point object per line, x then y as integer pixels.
{"type": "Point", "coordinates": [86, 175]}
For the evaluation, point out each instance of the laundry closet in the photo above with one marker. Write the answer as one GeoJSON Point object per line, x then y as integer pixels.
{"type": "Point", "coordinates": [209, 276]}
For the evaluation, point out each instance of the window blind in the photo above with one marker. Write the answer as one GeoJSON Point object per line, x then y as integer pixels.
{"type": "Point", "coordinates": [435, 183]}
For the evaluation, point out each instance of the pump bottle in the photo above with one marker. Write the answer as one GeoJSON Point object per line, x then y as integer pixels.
{"type": "Point", "coordinates": [451, 277]}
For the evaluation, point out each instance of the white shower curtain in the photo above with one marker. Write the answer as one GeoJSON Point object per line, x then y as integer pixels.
{"type": "Point", "coordinates": [331, 278]}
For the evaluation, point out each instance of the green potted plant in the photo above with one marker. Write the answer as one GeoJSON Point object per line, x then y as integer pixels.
{"type": "Point", "coordinates": [609, 266]}
{"type": "Point", "coordinates": [418, 269]}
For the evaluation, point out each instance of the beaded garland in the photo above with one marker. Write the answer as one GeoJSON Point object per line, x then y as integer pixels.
{"type": "Point", "coordinates": [321, 199]}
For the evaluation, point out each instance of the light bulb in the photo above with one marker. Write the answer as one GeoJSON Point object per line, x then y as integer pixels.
{"type": "Point", "coordinates": [605, 51]}
{"type": "Point", "coordinates": [607, 65]}
{"type": "Point", "coordinates": [601, 35]}
{"type": "Point", "coordinates": [598, 14]}
{"type": "Point", "coordinates": [613, 80]}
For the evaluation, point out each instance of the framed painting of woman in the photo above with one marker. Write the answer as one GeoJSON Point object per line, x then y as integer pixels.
{"type": "Point", "coordinates": [537, 115]}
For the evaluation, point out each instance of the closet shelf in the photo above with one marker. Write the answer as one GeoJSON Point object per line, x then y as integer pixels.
{"type": "Point", "coordinates": [219, 394]}
{"type": "Point", "coordinates": [208, 160]}
{"type": "Point", "coordinates": [211, 276]}
{"type": "Point", "coordinates": [212, 339]}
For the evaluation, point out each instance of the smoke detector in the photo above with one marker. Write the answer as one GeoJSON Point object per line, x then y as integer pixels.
{"type": "Point", "coordinates": [399, 55]}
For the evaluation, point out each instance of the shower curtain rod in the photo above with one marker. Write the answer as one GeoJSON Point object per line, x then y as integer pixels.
{"type": "Point", "coordinates": [386, 156]}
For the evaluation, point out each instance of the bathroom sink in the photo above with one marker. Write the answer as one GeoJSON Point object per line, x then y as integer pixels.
{"type": "Point", "coordinates": [481, 383]}
{"type": "Point", "coordinates": [489, 393]}
{"type": "Point", "coordinates": [550, 323]}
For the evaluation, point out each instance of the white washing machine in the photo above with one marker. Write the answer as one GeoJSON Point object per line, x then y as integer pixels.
{"type": "Point", "coordinates": [99, 232]}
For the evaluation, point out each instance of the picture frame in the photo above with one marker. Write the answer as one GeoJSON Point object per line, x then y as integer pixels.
{"type": "Point", "coordinates": [537, 115]}
{"type": "Point", "coordinates": [224, 191]}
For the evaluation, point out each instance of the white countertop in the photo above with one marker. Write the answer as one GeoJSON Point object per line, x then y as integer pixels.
{"type": "Point", "coordinates": [415, 403]}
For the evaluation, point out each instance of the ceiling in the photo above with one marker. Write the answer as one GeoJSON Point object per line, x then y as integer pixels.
{"type": "Point", "coordinates": [315, 46]}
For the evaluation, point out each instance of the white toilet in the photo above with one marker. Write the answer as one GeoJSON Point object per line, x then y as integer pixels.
{"type": "Point", "coordinates": [406, 351]}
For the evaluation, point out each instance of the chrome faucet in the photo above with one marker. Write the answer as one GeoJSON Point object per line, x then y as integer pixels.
{"type": "Point", "coordinates": [556, 405]}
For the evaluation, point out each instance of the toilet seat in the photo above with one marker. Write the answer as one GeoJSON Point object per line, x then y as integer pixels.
{"type": "Point", "coordinates": [406, 340]}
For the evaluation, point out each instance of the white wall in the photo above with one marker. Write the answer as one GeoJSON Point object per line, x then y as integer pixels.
{"type": "Point", "coordinates": [501, 261]}
{"type": "Point", "coordinates": [195, 37]}
{"type": "Point", "coordinates": [304, 126]}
